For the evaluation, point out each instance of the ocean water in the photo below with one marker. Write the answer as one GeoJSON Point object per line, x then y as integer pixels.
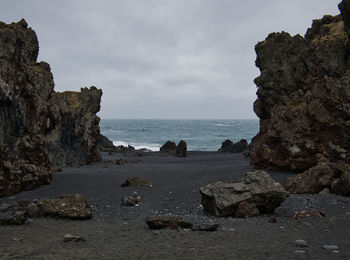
{"type": "Point", "coordinates": [200, 135]}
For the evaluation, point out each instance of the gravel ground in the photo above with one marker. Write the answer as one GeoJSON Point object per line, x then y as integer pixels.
{"type": "Point", "coordinates": [117, 232]}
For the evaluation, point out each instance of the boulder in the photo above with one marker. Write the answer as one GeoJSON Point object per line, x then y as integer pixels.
{"type": "Point", "coordinates": [341, 186]}
{"type": "Point", "coordinates": [12, 214]}
{"type": "Point", "coordinates": [135, 181]}
{"type": "Point", "coordinates": [71, 206]}
{"type": "Point", "coordinates": [173, 222]}
{"type": "Point", "coordinates": [169, 147]}
{"type": "Point", "coordinates": [229, 147]}
{"type": "Point", "coordinates": [313, 180]}
{"type": "Point", "coordinates": [254, 194]}
{"type": "Point", "coordinates": [181, 149]}
{"type": "Point", "coordinates": [304, 96]}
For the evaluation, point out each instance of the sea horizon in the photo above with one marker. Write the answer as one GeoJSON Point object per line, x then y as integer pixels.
{"type": "Point", "coordinates": [199, 134]}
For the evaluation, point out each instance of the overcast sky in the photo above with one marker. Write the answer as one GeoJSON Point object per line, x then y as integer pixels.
{"type": "Point", "coordinates": [162, 58]}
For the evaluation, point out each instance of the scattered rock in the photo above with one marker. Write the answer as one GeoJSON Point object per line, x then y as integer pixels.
{"type": "Point", "coordinates": [254, 194]}
{"type": "Point", "coordinates": [312, 180]}
{"type": "Point", "coordinates": [229, 147]}
{"type": "Point", "coordinates": [169, 147]}
{"type": "Point", "coordinates": [330, 247]}
{"type": "Point", "coordinates": [70, 238]}
{"type": "Point", "coordinates": [272, 220]}
{"type": "Point", "coordinates": [308, 214]}
{"type": "Point", "coordinates": [301, 243]}
{"type": "Point", "coordinates": [17, 239]}
{"type": "Point", "coordinates": [325, 191]}
{"type": "Point", "coordinates": [135, 181]}
{"type": "Point", "coordinates": [181, 150]}
{"type": "Point", "coordinates": [13, 216]}
{"type": "Point", "coordinates": [131, 201]}
{"type": "Point", "coordinates": [121, 161]}
{"type": "Point", "coordinates": [71, 206]}
{"type": "Point", "coordinates": [172, 222]}
{"type": "Point", "coordinates": [205, 227]}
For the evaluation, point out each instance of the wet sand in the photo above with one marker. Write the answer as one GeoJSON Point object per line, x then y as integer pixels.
{"type": "Point", "coordinates": [117, 232]}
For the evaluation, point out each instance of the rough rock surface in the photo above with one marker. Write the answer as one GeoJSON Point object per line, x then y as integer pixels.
{"type": "Point", "coordinates": [76, 133]}
{"type": "Point", "coordinates": [342, 185]}
{"type": "Point", "coordinates": [181, 150]}
{"type": "Point", "coordinates": [230, 147]}
{"type": "Point", "coordinates": [254, 194]}
{"type": "Point", "coordinates": [313, 180]}
{"type": "Point", "coordinates": [25, 88]}
{"type": "Point", "coordinates": [71, 206]}
{"type": "Point", "coordinates": [173, 222]}
{"type": "Point", "coordinates": [169, 147]}
{"type": "Point", "coordinates": [31, 114]}
{"type": "Point", "coordinates": [304, 96]}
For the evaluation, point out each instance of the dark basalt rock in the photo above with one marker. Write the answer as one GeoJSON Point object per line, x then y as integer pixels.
{"type": "Point", "coordinates": [39, 127]}
{"type": "Point", "coordinates": [169, 147]}
{"type": "Point", "coordinates": [172, 222]}
{"type": "Point", "coordinates": [75, 135]}
{"type": "Point", "coordinates": [304, 96]}
{"type": "Point", "coordinates": [255, 194]}
{"type": "Point", "coordinates": [229, 147]}
{"type": "Point", "coordinates": [181, 149]}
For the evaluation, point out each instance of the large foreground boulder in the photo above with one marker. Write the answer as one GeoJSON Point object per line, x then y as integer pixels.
{"type": "Point", "coordinates": [304, 96]}
{"type": "Point", "coordinates": [254, 194]}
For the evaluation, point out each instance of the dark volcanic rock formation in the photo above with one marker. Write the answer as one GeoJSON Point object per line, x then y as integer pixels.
{"type": "Point", "coordinates": [25, 88]}
{"type": "Point", "coordinates": [36, 124]}
{"type": "Point", "coordinates": [304, 96]}
{"type": "Point", "coordinates": [75, 136]}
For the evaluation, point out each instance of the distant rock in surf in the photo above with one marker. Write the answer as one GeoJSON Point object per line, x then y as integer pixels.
{"type": "Point", "coordinates": [179, 150]}
{"type": "Point", "coordinates": [229, 147]}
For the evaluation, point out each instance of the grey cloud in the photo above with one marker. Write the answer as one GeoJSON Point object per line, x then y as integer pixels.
{"type": "Point", "coordinates": [162, 58]}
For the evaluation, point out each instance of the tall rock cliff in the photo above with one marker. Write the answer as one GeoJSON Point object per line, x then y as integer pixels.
{"type": "Point", "coordinates": [37, 125]}
{"type": "Point", "coordinates": [304, 96]}
{"type": "Point", "coordinates": [74, 138]}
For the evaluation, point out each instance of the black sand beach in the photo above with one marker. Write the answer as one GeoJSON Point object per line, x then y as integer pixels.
{"type": "Point", "coordinates": [119, 232]}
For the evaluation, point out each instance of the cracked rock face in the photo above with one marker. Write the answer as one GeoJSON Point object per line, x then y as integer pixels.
{"type": "Point", "coordinates": [255, 194]}
{"type": "Point", "coordinates": [304, 96]}
{"type": "Point", "coordinates": [38, 126]}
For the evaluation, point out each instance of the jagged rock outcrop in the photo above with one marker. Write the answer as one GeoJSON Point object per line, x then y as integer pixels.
{"type": "Point", "coordinates": [304, 96]}
{"type": "Point", "coordinates": [25, 88]}
{"type": "Point", "coordinates": [75, 135]}
{"type": "Point", "coordinates": [34, 118]}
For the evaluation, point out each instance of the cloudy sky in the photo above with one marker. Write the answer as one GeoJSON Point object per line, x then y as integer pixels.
{"type": "Point", "coordinates": [162, 58]}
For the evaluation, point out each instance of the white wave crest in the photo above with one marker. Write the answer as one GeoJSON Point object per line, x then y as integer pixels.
{"type": "Point", "coordinates": [153, 147]}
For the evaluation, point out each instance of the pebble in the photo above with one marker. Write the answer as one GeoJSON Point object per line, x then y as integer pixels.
{"type": "Point", "coordinates": [17, 239]}
{"type": "Point", "coordinates": [301, 243]}
{"type": "Point", "coordinates": [330, 247]}
{"type": "Point", "coordinates": [299, 251]}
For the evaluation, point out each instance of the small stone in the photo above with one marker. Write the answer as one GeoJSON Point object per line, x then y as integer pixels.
{"type": "Point", "coordinates": [135, 181]}
{"type": "Point", "coordinates": [330, 247]}
{"type": "Point", "coordinates": [301, 243]}
{"type": "Point", "coordinates": [69, 238]}
{"type": "Point", "coordinates": [272, 220]}
{"type": "Point", "coordinates": [299, 251]}
{"type": "Point", "coordinates": [205, 227]}
{"type": "Point", "coordinates": [17, 239]}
